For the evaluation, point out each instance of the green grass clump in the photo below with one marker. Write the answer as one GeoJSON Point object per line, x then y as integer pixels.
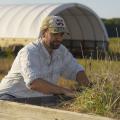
{"type": "Point", "coordinates": [104, 97]}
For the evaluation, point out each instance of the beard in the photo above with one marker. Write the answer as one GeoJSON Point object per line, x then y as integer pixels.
{"type": "Point", "coordinates": [55, 45]}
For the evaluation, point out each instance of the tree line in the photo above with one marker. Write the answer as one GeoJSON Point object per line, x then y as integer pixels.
{"type": "Point", "coordinates": [112, 26]}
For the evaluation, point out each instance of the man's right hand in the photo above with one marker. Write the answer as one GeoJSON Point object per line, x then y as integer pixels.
{"type": "Point", "coordinates": [69, 93]}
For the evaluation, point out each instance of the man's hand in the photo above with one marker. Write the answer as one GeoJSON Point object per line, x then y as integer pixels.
{"type": "Point", "coordinates": [69, 93]}
{"type": "Point", "coordinates": [82, 79]}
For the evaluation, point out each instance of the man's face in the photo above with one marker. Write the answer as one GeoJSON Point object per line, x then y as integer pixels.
{"type": "Point", "coordinates": [53, 40]}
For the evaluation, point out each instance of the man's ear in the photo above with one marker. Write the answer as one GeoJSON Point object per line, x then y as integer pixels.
{"type": "Point", "coordinates": [44, 33]}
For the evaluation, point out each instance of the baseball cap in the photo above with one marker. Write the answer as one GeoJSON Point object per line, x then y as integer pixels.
{"type": "Point", "coordinates": [55, 24]}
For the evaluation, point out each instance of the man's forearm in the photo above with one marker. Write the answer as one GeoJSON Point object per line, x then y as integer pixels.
{"type": "Point", "coordinates": [47, 87]}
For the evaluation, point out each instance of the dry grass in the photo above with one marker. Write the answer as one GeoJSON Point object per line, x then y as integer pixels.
{"type": "Point", "coordinates": [5, 65]}
{"type": "Point", "coordinates": [104, 97]}
{"type": "Point", "coordinates": [114, 45]}
{"type": "Point", "coordinates": [5, 42]}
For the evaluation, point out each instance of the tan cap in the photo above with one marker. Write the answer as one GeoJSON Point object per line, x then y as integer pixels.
{"type": "Point", "coordinates": [55, 24]}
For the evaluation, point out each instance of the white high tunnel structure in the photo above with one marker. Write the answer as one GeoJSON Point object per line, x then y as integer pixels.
{"type": "Point", "coordinates": [23, 21]}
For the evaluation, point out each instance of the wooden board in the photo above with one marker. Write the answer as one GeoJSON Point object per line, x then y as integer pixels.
{"type": "Point", "coordinates": [19, 111]}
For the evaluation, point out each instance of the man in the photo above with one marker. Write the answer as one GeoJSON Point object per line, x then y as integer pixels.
{"type": "Point", "coordinates": [37, 67]}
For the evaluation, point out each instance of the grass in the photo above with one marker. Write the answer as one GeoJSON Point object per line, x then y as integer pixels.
{"type": "Point", "coordinates": [104, 97]}
{"type": "Point", "coordinates": [5, 65]}
{"type": "Point", "coordinates": [114, 45]}
{"type": "Point", "coordinates": [5, 42]}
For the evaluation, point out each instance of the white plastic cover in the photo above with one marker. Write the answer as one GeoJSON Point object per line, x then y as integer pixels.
{"type": "Point", "coordinates": [23, 21]}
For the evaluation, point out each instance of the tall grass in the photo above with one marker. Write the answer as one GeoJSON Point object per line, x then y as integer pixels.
{"type": "Point", "coordinates": [5, 65]}
{"type": "Point", "coordinates": [114, 45]}
{"type": "Point", "coordinates": [114, 48]}
{"type": "Point", "coordinates": [104, 97]}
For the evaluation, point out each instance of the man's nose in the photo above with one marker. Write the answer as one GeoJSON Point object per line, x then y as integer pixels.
{"type": "Point", "coordinates": [59, 37]}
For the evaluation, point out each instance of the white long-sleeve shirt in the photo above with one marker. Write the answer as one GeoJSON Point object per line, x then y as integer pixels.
{"type": "Point", "coordinates": [33, 62]}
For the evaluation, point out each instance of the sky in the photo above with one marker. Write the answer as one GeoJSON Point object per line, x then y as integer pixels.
{"type": "Point", "coordinates": [103, 8]}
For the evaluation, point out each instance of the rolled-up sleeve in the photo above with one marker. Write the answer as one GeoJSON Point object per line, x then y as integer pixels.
{"type": "Point", "coordinates": [70, 67]}
{"type": "Point", "coordinates": [29, 63]}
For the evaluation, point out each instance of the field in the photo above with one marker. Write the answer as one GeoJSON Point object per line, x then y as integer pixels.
{"type": "Point", "coordinates": [104, 97]}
